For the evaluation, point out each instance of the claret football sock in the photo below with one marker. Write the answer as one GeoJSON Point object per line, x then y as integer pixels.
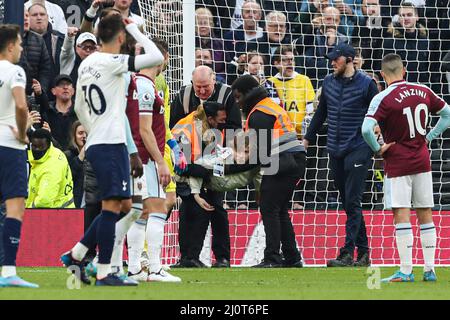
{"type": "Point", "coordinates": [155, 238]}
{"type": "Point", "coordinates": [428, 240]}
{"type": "Point", "coordinates": [404, 239]}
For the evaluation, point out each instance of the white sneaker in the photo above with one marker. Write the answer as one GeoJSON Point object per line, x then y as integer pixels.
{"type": "Point", "coordinates": [141, 276]}
{"type": "Point", "coordinates": [162, 276]}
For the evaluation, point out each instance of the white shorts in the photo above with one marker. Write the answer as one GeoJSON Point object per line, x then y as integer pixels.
{"type": "Point", "coordinates": [415, 189]}
{"type": "Point", "coordinates": [148, 185]}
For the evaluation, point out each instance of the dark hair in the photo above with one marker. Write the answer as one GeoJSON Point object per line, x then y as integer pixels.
{"type": "Point", "coordinates": [109, 27]}
{"type": "Point", "coordinates": [161, 44]}
{"type": "Point", "coordinates": [282, 50]}
{"type": "Point", "coordinates": [8, 34]}
{"type": "Point", "coordinates": [212, 108]}
{"type": "Point", "coordinates": [245, 84]}
{"type": "Point", "coordinates": [42, 134]}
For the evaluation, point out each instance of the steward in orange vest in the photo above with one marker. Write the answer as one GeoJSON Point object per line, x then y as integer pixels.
{"type": "Point", "coordinates": [283, 159]}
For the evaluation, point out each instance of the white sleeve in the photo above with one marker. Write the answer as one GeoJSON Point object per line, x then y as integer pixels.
{"type": "Point", "coordinates": [67, 57]}
{"type": "Point", "coordinates": [152, 56]}
{"type": "Point", "coordinates": [118, 63]}
{"type": "Point", "coordinates": [146, 96]}
{"type": "Point", "coordinates": [18, 79]}
{"type": "Point", "coordinates": [81, 110]}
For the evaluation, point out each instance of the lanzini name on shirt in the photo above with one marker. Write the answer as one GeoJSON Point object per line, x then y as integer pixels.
{"type": "Point", "coordinates": [410, 92]}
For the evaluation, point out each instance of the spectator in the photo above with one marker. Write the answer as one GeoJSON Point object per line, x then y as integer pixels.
{"type": "Point", "coordinates": [410, 41]}
{"type": "Point", "coordinates": [75, 156]}
{"type": "Point", "coordinates": [294, 89]}
{"type": "Point", "coordinates": [39, 23]}
{"type": "Point", "coordinates": [60, 113]}
{"type": "Point", "coordinates": [248, 36]}
{"type": "Point", "coordinates": [309, 12]}
{"type": "Point", "coordinates": [350, 14]}
{"type": "Point", "coordinates": [71, 56]}
{"type": "Point", "coordinates": [55, 14]}
{"type": "Point", "coordinates": [122, 6]}
{"type": "Point", "coordinates": [368, 36]}
{"type": "Point", "coordinates": [326, 37]}
{"type": "Point", "coordinates": [50, 184]}
{"type": "Point", "coordinates": [289, 8]}
{"type": "Point", "coordinates": [204, 88]}
{"type": "Point", "coordinates": [35, 59]}
{"type": "Point", "coordinates": [206, 39]}
{"type": "Point", "coordinates": [344, 101]}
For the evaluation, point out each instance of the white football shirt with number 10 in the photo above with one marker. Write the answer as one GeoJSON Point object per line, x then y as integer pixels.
{"type": "Point", "coordinates": [101, 84]}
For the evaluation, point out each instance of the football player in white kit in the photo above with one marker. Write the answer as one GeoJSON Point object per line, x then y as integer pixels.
{"type": "Point", "coordinates": [100, 107]}
{"type": "Point", "coordinates": [13, 157]}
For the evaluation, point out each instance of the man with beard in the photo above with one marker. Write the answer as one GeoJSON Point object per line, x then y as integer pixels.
{"type": "Point", "coordinates": [346, 96]}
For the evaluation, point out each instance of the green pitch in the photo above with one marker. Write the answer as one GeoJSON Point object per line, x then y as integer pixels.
{"type": "Point", "coordinates": [241, 283]}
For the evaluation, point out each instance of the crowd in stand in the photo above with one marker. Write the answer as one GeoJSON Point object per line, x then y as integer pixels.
{"type": "Point", "coordinates": [283, 44]}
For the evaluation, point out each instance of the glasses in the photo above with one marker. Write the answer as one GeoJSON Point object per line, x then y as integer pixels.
{"type": "Point", "coordinates": [88, 48]}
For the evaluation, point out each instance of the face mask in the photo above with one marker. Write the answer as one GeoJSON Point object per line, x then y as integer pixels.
{"type": "Point", "coordinates": [221, 126]}
{"type": "Point", "coordinates": [38, 154]}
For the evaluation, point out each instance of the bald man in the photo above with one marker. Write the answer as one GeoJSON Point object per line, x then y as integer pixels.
{"type": "Point", "coordinates": [205, 88]}
{"type": "Point", "coordinates": [194, 220]}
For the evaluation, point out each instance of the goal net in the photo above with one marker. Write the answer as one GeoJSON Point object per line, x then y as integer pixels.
{"type": "Point", "coordinates": [418, 33]}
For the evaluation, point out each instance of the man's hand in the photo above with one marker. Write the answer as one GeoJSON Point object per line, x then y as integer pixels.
{"type": "Point", "coordinates": [33, 118]}
{"type": "Point", "coordinates": [305, 144]}
{"type": "Point", "coordinates": [137, 170]}
{"type": "Point", "coordinates": [385, 147]}
{"type": "Point", "coordinates": [72, 31]}
{"type": "Point", "coordinates": [164, 174]}
{"type": "Point", "coordinates": [46, 126]}
{"type": "Point", "coordinates": [331, 34]}
{"type": "Point", "coordinates": [127, 21]}
{"type": "Point", "coordinates": [202, 203]}
{"type": "Point", "coordinates": [36, 86]}
{"type": "Point", "coordinates": [21, 137]}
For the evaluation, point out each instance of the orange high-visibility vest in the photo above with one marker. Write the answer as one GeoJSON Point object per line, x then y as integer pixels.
{"type": "Point", "coordinates": [284, 136]}
{"type": "Point", "coordinates": [191, 128]}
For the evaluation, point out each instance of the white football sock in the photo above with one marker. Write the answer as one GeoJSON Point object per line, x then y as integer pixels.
{"type": "Point", "coordinates": [103, 270]}
{"type": "Point", "coordinates": [79, 251]}
{"type": "Point", "coordinates": [135, 241]}
{"type": "Point", "coordinates": [155, 238]}
{"type": "Point", "coordinates": [428, 240]}
{"type": "Point", "coordinates": [404, 239]}
{"type": "Point", "coordinates": [8, 271]}
{"type": "Point", "coordinates": [122, 227]}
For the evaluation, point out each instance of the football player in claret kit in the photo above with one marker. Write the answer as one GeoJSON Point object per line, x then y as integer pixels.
{"type": "Point", "coordinates": [100, 106]}
{"type": "Point", "coordinates": [402, 111]}
{"type": "Point", "coordinates": [13, 157]}
{"type": "Point", "coordinates": [156, 178]}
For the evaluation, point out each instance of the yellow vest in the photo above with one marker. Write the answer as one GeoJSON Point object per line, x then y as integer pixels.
{"type": "Point", "coordinates": [294, 94]}
{"type": "Point", "coordinates": [50, 184]}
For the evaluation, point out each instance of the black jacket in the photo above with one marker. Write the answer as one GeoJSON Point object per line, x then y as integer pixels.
{"type": "Point", "coordinates": [35, 61]}
{"type": "Point", "coordinates": [222, 94]}
{"type": "Point", "coordinates": [76, 167]}
{"type": "Point", "coordinates": [54, 41]}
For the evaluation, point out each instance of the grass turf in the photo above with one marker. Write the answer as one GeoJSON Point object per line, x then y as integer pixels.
{"type": "Point", "coordinates": [240, 283]}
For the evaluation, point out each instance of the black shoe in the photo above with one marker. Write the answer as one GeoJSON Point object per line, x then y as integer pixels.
{"type": "Point", "coordinates": [189, 263]}
{"type": "Point", "coordinates": [297, 264]}
{"type": "Point", "coordinates": [115, 281]}
{"type": "Point", "coordinates": [77, 267]}
{"type": "Point", "coordinates": [221, 263]}
{"type": "Point", "coordinates": [196, 263]}
{"type": "Point", "coordinates": [343, 260]}
{"type": "Point", "coordinates": [362, 260]}
{"type": "Point", "coordinates": [268, 264]}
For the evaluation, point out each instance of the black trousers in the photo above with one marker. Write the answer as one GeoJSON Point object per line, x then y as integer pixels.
{"type": "Point", "coordinates": [276, 193]}
{"type": "Point", "coordinates": [194, 222]}
{"type": "Point", "coordinates": [350, 173]}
